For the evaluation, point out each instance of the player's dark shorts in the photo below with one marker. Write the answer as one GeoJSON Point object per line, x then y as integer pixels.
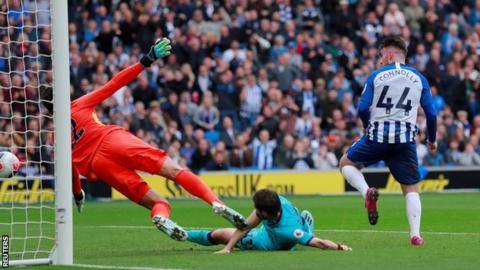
{"type": "Point", "coordinates": [401, 158]}
{"type": "Point", "coordinates": [256, 239]}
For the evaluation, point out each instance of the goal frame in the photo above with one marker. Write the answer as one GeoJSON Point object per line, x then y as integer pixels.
{"type": "Point", "coordinates": [62, 253]}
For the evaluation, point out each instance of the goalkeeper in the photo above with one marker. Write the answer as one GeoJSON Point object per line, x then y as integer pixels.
{"type": "Point", "coordinates": [283, 227]}
{"type": "Point", "coordinates": [111, 154]}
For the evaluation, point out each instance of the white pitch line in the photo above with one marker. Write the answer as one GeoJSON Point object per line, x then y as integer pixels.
{"type": "Point", "coordinates": [318, 230]}
{"type": "Point", "coordinates": [397, 232]}
{"type": "Point", "coordinates": [121, 267]}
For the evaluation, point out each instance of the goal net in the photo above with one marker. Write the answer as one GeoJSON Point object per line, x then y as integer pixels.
{"type": "Point", "coordinates": [30, 213]}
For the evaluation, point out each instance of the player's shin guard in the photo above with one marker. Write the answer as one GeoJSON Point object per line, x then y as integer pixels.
{"type": "Point", "coordinates": [195, 186]}
{"type": "Point", "coordinates": [161, 208]}
{"type": "Point", "coordinates": [355, 178]}
{"type": "Point", "coordinates": [414, 212]}
{"type": "Point", "coordinates": [201, 237]}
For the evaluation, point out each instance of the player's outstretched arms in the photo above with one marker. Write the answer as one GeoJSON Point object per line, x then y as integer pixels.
{"type": "Point", "coordinates": [160, 49]}
{"type": "Point", "coordinates": [252, 222]}
{"type": "Point", "coordinates": [327, 244]}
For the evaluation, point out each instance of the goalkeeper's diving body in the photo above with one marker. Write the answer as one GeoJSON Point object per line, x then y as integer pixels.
{"type": "Point", "coordinates": [112, 154]}
{"type": "Point", "coordinates": [283, 227]}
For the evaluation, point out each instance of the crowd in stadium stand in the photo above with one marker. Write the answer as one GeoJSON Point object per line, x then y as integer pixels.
{"type": "Point", "coordinates": [269, 84]}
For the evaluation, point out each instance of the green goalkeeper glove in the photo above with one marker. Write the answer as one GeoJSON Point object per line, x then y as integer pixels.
{"type": "Point", "coordinates": [160, 49]}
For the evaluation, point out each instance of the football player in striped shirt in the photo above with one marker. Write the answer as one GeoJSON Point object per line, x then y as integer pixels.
{"type": "Point", "coordinates": [388, 109]}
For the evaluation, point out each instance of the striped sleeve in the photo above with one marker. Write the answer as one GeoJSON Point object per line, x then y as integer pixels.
{"type": "Point", "coordinates": [428, 106]}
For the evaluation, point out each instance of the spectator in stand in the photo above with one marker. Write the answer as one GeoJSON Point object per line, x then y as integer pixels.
{"type": "Point", "coordinates": [288, 114]}
{"type": "Point", "coordinates": [433, 158]}
{"type": "Point", "coordinates": [234, 56]}
{"type": "Point", "coordinates": [241, 155]}
{"type": "Point", "coordinates": [227, 95]}
{"type": "Point", "coordinates": [218, 163]}
{"type": "Point", "coordinates": [267, 121]}
{"type": "Point", "coordinates": [469, 157]}
{"type": "Point", "coordinates": [263, 149]}
{"type": "Point", "coordinates": [324, 159]}
{"type": "Point", "coordinates": [284, 153]}
{"type": "Point", "coordinates": [309, 100]}
{"type": "Point", "coordinates": [201, 156]}
{"type": "Point", "coordinates": [207, 116]}
{"type": "Point", "coordinates": [301, 160]}
{"type": "Point", "coordinates": [453, 153]}
{"type": "Point", "coordinates": [203, 82]}
{"type": "Point", "coordinates": [303, 126]}
{"type": "Point", "coordinates": [251, 102]}
{"type": "Point", "coordinates": [414, 13]}
{"type": "Point", "coordinates": [285, 72]}
{"type": "Point", "coordinates": [228, 134]}
{"type": "Point", "coordinates": [450, 38]}
{"type": "Point", "coordinates": [144, 92]}
{"type": "Point", "coordinates": [394, 20]}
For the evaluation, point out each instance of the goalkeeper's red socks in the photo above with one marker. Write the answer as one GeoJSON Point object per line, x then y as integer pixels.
{"type": "Point", "coordinates": [195, 186]}
{"type": "Point", "coordinates": [160, 208]}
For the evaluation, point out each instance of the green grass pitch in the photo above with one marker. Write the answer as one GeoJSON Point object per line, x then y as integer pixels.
{"type": "Point", "coordinates": [121, 234]}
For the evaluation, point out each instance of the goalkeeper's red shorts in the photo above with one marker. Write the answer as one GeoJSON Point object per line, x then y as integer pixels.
{"type": "Point", "coordinates": [119, 156]}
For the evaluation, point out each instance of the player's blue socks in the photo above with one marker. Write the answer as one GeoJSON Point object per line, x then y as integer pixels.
{"type": "Point", "coordinates": [201, 237]}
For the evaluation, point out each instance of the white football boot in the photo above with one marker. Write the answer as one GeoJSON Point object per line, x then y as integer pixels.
{"type": "Point", "coordinates": [170, 228]}
{"type": "Point", "coordinates": [229, 214]}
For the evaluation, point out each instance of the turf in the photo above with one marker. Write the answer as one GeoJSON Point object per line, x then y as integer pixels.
{"type": "Point", "coordinates": [450, 225]}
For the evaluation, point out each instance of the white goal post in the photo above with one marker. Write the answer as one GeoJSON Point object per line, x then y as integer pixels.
{"type": "Point", "coordinates": [63, 153]}
{"type": "Point", "coordinates": [36, 220]}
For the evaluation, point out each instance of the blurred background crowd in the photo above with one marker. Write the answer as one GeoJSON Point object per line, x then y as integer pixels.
{"type": "Point", "coordinates": [256, 84]}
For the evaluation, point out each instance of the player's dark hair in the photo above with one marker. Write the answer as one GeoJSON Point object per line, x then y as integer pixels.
{"type": "Point", "coordinates": [267, 200]}
{"type": "Point", "coordinates": [394, 41]}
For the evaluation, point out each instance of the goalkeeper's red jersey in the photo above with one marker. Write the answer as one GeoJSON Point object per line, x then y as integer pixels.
{"type": "Point", "coordinates": [87, 132]}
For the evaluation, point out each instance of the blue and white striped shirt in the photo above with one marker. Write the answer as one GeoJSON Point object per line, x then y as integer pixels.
{"type": "Point", "coordinates": [389, 104]}
{"type": "Point", "coordinates": [263, 153]}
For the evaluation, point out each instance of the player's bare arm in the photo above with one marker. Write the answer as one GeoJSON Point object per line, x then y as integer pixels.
{"type": "Point", "coordinates": [252, 221]}
{"type": "Point", "coordinates": [327, 244]}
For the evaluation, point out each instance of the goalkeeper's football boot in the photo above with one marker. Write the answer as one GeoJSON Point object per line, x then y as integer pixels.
{"type": "Point", "coordinates": [308, 219]}
{"type": "Point", "coordinates": [170, 228]}
{"type": "Point", "coordinates": [416, 240]}
{"type": "Point", "coordinates": [371, 205]}
{"type": "Point", "coordinates": [229, 214]}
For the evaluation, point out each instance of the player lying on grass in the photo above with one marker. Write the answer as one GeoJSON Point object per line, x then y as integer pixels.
{"type": "Point", "coordinates": [113, 155]}
{"type": "Point", "coordinates": [282, 228]}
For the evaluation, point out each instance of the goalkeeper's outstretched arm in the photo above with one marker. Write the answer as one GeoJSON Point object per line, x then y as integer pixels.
{"type": "Point", "coordinates": [160, 49]}
{"type": "Point", "coordinates": [118, 81]}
